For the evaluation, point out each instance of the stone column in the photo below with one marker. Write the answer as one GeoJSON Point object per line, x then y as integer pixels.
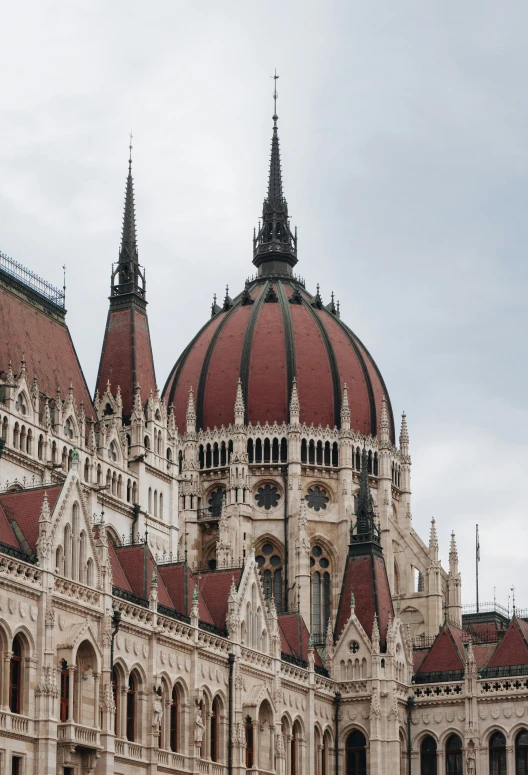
{"type": "Point", "coordinates": [97, 680]}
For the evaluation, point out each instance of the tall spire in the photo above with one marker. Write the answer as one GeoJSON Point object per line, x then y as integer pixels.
{"type": "Point", "coordinates": [127, 276]}
{"type": "Point", "coordinates": [274, 246]}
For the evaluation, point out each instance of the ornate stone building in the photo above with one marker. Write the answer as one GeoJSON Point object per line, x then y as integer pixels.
{"type": "Point", "coordinates": [225, 577]}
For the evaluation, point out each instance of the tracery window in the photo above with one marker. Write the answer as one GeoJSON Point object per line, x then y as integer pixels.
{"type": "Point", "coordinates": [319, 565]}
{"type": "Point", "coordinates": [270, 564]}
{"type": "Point", "coordinates": [428, 759]}
{"type": "Point", "coordinates": [267, 497]}
{"type": "Point", "coordinates": [112, 452]}
{"type": "Point", "coordinates": [317, 498]}
{"type": "Point", "coordinates": [21, 404]}
{"type": "Point", "coordinates": [215, 502]}
{"type": "Point", "coordinates": [454, 755]}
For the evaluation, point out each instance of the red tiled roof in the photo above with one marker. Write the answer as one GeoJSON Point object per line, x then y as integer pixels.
{"type": "Point", "coordinates": [418, 657]}
{"type": "Point", "coordinates": [119, 578]}
{"type": "Point", "coordinates": [134, 562]}
{"type": "Point", "coordinates": [215, 588]}
{"type": "Point", "coordinates": [126, 356]}
{"type": "Point", "coordinates": [24, 507]}
{"type": "Point", "coordinates": [483, 652]}
{"type": "Point", "coordinates": [174, 579]}
{"type": "Point", "coordinates": [295, 637]}
{"type": "Point", "coordinates": [6, 531]}
{"type": "Point", "coordinates": [366, 576]}
{"type": "Point", "coordinates": [513, 648]}
{"type": "Point", "coordinates": [446, 653]}
{"type": "Point", "coordinates": [46, 344]}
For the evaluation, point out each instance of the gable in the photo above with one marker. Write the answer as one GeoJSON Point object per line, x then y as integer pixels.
{"type": "Point", "coordinates": [443, 655]}
{"type": "Point", "coordinates": [512, 649]}
{"type": "Point", "coordinates": [25, 507]}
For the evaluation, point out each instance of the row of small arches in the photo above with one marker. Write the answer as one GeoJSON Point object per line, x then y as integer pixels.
{"type": "Point", "coordinates": [71, 559]}
{"type": "Point", "coordinates": [454, 754]}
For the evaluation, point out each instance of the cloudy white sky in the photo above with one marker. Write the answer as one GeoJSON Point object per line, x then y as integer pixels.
{"type": "Point", "coordinates": [403, 130]}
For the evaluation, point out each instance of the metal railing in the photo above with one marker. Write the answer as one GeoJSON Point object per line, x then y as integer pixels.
{"type": "Point", "coordinates": [32, 280]}
{"type": "Point", "coordinates": [445, 676]}
{"type": "Point", "coordinates": [123, 594]}
{"type": "Point", "coordinates": [173, 614]}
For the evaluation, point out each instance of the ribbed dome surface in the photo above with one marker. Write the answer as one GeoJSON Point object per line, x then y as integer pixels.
{"type": "Point", "coordinates": [268, 335]}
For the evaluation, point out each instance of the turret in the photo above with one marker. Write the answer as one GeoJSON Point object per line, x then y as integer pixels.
{"type": "Point", "coordinates": [454, 590]}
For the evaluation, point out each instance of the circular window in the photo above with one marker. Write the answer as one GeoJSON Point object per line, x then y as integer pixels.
{"type": "Point", "coordinates": [317, 551]}
{"type": "Point", "coordinates": [353, 647]}
{"type": "Point", "coordinates": [275, 561]}
{"type": "Point", "coordinates": [267, 549]}
{"type": "Point", "coordinates": [260, 561]}
{"type": "Point", "coordinates": [317, 498]}
{"type": "Point", "coordinates": [267, 497]}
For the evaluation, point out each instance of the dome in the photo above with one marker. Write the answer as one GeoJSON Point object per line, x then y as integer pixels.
{"type": "Point", "coordinates": [272, 332]}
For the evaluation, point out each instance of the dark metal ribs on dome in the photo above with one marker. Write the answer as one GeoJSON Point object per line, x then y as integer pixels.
{"type": "Point", "coordinates": [269, 334]}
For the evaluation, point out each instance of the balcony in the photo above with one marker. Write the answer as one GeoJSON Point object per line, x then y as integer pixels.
{"type": "Point", "coordinates": [16, 723]}
{"type": "Point", "coordinates": [128, 750]}
{"type": "Point", "coordinates": [77, 734]}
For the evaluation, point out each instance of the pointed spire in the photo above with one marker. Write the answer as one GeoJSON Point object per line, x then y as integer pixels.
{"type": "Point", "coordinates": [345, 410]}
{"type": "Point", "coordinates": [404, 435]}
{"type": "Point", "coordinates": [239, 404]}
{"type": "Point", "coordinates": [384, 421]}
{"type": "Point", "coordinates": [274, 241]}
{"type": "Point", "coordinates": [453, 555]}
{"type": "Point", "coordinates": [375, 636]}
{"type": "Point", "coordinates": [433, 542]}
{"type": "Point", "coordinates": [127, 276]}
{"type": "Point", "coordinates": [295, 408]}
{"type": "Point", "coordinates": [45, 514]}
{"type": "Point", "coordinates": [191, 413]}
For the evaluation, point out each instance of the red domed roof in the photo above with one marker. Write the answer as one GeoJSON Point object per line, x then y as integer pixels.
{"type": "Point", "coordinates": [272, 332]}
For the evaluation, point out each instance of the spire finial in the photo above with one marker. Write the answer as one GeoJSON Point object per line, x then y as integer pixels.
{"type": "Point", "coordinates": [130, 155]}
{"type": "Point", "coordinates": [275, 95]}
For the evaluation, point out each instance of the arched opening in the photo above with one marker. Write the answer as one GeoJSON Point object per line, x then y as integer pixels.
{"type": "Point", "coordinates": [497, 754]}
{"type": "Point", "coordinates": [356, 753]}
{"type": "Point", "coordinates": [521, 752]}
{"type": "Point", "coordinates": [454, 755]}
{"type": "Point", "coordinates": [131, 701]}
{"type": "Point", "coordinates": [304, 451]}
{"type": "Point", "coordinates": [295, 753]}
{"type": "Point", "coordinates": [86, 470]}
{"type": "Point", "coordinates": [327, 458]}
{"type": "Point", "coordinates": [5, 426]}
{"type": "Point", "coordinates": [428, 758]}
{"type": "Point", "coordinates": [64, 708]}
{"type": "Point", "coordinates": [208, 456]}
{"type": "Point", "coordinates": [269, 562]}
{"type": "Point", "coordinates": [174, 729]}
{"type": "Point", "coordinates": [311, 452]}
{"type": "Point", "coordinates": [267, 451]}
{"type": "Point", "coordinates": [216, 458]}
{"type": "Point", "coordinates": [40, 447]}
{"type": "Point", "coordinates": [275, 451]}
{"type": "Point", "coordinates": [265, 728]}
{"type": "Point", "coordinates": [214, 729]}
{"type": "Point", "coordinates": [284, 451]}
{"type": "Point", "coordinates": [16, 435]}
{"type": "Point", "coordinates": [29, 442]}
{"type": "Point", "coordinates": [321, 587]}
{"type": "Point", "coordinates": [250, 750]}
{"type": "Point", "coordinates": [325, 754]}
{"type": "Point", "coordinates": [200, 456]}
{"type": "Point", "coordinates": [250, 451]}
{"type": "Point", "coordinates": [86, 686]}
{"type": "Point", "coordinates": [15, 676]}
{"type": "Point", "coordinates": [258, 451]}
{"type": "Point", "coordinates": [223, 454]}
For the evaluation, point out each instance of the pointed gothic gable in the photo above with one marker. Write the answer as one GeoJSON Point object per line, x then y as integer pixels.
{"type": "Point", "coordinates": [44, 340]}
{"type": "Point", "coordinates": [366, 577]}
{"type": "Point", "coordinates": [22, 511]}
{"type": "Point", "coordinates": [446, 653]}
{"type": "Point", "coordinates": [513, 648]}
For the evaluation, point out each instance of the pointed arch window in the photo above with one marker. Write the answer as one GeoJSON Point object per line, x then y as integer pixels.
{"type": "Point", "coordinates": [131, 708]}
{"type": "Point", "coordinates": [270, 564]}
{"type": "Point", "coordinates": [428, 758]}
{"type": "Point", "coordinates": [454, 755]}
{"type": "Point", "coordinates": [112, 452]}
{"type": "Point", "coordinates": [68, 428]}
{"type": "Point", "coordinates": [497, 754]}
{"type": "Point", "coordinates": [64, 691]}
{"type": "Point", "coordinates": [21, 404]}
{"type": "Point", "coordinates": [356, 753]}
{"type": "Point", "coordinates": [521, 752]}
{"type": "Point", "coordinates": [214, 730]}
{"type": "Point", "coordinates": [321, 589]}
{"type": "Point", "coordinates": [15, 678]}
{"type": "Point", "coordinates": [174, 720]}
{"type": "Point", "coordinates": [249, 743]}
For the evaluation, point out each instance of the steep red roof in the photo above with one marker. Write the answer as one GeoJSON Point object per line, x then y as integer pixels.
{"type": "Point", "coordinates": [24, 508]}
{"type": "Point", "coordinates": [418, 657]}
{"type": "Point", "coordinates": [44, 340]}
{"type": "Point", "coordinates": [267, 343]}
{"type": "Point", "coordinates": [126, 357]}
{"type": "Point", "coordinates": [513, 648]}
{"type": "Point", "coordinates": [215, 588]}
{"type": "Point", "coordinates": [366, 576]}
{"type": "Point", "coordinates": [119, 578]}
{"type": "Point", "coordinates": [295, 637]}
{"type": "Point", "coordinates": [483, 652]}
{"type": "Point", "coordinates": [446, 653]}
{"type": "Point", "coordinates": [178, 579]}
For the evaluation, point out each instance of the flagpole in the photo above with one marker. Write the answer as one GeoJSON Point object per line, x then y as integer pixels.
{"type": "Point", "coordinates": [477, 553]}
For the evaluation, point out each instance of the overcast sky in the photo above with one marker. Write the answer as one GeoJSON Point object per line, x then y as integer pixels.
{"type": "Point", "coordinates": [403, 129]}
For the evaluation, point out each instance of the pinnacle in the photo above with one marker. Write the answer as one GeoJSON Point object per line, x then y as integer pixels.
{"type": "Point", "coordinates": [384, 419]}
{"type": "Point", "coordinates": [433, 538]}
{"type": "Point", "coordinates": [404, 433]}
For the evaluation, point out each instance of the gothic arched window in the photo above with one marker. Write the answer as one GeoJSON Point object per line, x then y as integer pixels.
{"type": "Point", "coordinates": [249, 743]}
{"type": "Point", "coordinates": [454, 755]}
{"type": "Point", "coordinates": [320, 572]}
{"type": "Point", "coordinates": [521, 752]}
{"type": "Point", "coordinates": [174, 720]}
{"type": "Point", "coordinates": [64, 691]}
{"type": "Point", "coordinates": [214, 730]}
{"type": "Point", "coordinates": [428, 758]}
{"type": "Point", "coordinates": [270, 564]}
{"type": "Point", "coordinates": [131, 708]}
{"type": "Point", "coordinates": [356, 753]}
{"type": "Point", "coordinates": [15, 677]}
{"type": "Point", "coordinates": [497, 754]}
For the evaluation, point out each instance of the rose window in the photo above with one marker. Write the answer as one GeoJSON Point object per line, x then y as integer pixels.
{"type": "Point", "coordinates": [267, 497]}
{"type": "Point", "coordinates": [317, 498]}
